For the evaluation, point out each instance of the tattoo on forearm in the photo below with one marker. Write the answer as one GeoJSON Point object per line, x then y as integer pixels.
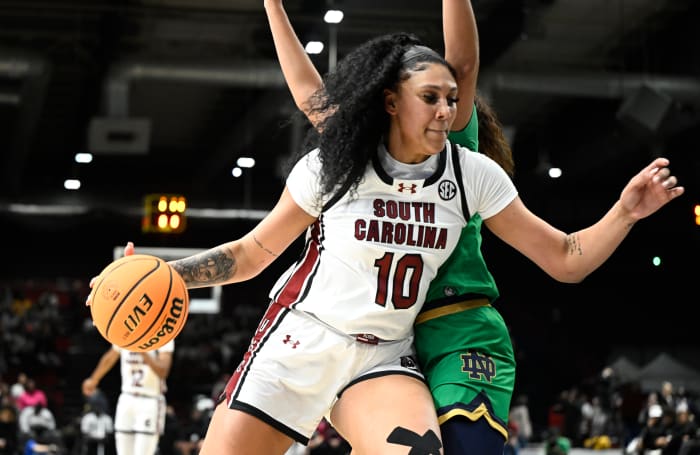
{"type": "Point", "coordinates": [215, 267]}
{"type": "Point", "coordinates": [261, 246]}
{"type": "Point", "coordinates": [574, 244]}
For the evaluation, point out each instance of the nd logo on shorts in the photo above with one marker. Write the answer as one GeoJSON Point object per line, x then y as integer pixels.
{"type": "Point", "coordinates": [479, 366]}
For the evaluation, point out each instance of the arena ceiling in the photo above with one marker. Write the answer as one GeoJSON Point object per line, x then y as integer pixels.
{"type": "Point", "coordinates": [167, 94]}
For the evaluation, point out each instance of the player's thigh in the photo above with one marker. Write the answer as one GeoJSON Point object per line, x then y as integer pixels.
{"type": "Point", "coordinates": [392, 414]}
{"type": "Point", "coordinates": [124, 442]}
{"type": "Point", "coordinates": [234, 432]}
{"type": "Point", "coordinates": [145, 443]}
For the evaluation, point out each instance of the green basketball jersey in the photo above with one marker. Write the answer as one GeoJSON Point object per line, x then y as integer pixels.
{"type": "Point", "coordinates": [462, 342]}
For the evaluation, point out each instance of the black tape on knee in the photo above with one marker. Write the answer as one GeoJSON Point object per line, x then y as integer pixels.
{"type": "Point", "coordinates": [428, 444]}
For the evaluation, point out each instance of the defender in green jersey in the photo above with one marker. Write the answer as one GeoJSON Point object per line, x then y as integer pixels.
{"type": "Point", "coordinates": [462, 342]}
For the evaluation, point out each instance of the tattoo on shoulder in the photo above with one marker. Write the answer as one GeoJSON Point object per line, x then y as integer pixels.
{"type": "Point", "coordinates": [214, 267]}
{"type": "Point", "coordinates": [574, 244]}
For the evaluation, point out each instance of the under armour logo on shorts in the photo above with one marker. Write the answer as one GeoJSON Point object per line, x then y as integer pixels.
{"type": "Point", "coordinates": [288, 340]}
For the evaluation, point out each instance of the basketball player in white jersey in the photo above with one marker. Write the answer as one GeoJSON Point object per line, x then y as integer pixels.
{"type": "Point", "coordinates": [383, 197]}
{"type": "Point", "coordinates": [140, 414]}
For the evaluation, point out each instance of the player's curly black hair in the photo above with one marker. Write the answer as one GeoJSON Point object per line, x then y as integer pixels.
{"type": "Point", "coordinates": [351, 104]}
{"type": "Point", "coordinates": [492, 141]}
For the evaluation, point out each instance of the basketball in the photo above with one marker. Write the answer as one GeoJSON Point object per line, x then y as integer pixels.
{"type": "Point", "coordinates": [139, 303]}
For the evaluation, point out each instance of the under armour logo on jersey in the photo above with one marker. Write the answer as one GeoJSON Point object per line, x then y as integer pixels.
{"type": "Point", "coordinates": [288, 340]}
{"type": "Point", "coordinates": [411, 188]}
{"type": "Point", "coordinates": [447, 190]}
{"type": "Point", "coordinates": [428, 444]}
{"type": "Point", "coordinates": [479, 366]}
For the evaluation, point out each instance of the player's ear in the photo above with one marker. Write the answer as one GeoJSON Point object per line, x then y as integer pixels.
{"type": "Point", "coordinates": [390, 102]}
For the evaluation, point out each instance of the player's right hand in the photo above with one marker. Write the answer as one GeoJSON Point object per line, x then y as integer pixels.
{"type": "Point", "coordinates": [89, 387]}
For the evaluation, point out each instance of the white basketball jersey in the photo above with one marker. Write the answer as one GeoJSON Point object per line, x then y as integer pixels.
{"type": "Point", "coordinates": [137, 377]}
{"type": "Point", "coordinates": [370, 256]}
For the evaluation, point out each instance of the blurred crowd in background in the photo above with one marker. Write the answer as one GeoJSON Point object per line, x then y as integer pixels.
{"type": "Point", "coordinates": [48, 344]}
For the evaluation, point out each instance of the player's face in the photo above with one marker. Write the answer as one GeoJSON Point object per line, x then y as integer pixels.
{"type": "Point", "coordinates": [422, 110]}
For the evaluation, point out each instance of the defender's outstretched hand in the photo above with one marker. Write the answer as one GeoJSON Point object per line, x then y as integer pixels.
{"type": "Point", "coordinates": [650, 190]}
{"type": "Point", "coordinates": [129, 249]}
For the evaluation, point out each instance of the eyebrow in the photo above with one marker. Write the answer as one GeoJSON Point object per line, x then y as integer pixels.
{"type": "Point", "coordinates": [439, 87]}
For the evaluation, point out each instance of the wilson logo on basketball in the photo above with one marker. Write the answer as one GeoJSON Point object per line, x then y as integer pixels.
{"type": "Point", "coordinates": [170, 325]}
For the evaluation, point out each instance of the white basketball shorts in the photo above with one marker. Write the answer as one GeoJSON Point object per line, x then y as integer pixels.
{"type": "Point", "coordinates": [140, 414]}
{"type": "Point", "coordinates": [296, 367]}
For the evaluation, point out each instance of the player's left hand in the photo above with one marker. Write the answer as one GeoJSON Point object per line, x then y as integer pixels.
{"type": "Point", "coordinates": [649, 190]}
{"type": "Point", "coordinates": [128, 251]}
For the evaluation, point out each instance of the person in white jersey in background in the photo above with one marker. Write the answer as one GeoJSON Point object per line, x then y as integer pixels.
{"type": "Point", "coordinates": [140, 414]}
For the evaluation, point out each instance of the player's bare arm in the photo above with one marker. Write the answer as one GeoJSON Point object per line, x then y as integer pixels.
{"type": "Point", "coordinates": [571, 257]}
{"type": "Point", "coordinates": [246, 257]}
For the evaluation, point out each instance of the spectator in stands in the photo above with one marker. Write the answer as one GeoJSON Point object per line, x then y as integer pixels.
{"type": "Point", "coordinates": [632, 400]}
{"type": "Point", "coordinates": [572, 416]}
{"type": "Point", "coordinates": [520, 416]}
{"type": "Point", "coordinates": [31, 396]}
{"type": "Point", "coordinates": [96, 429]}
{"type": "Point", "coordinates": [43, 442]}
{"type": "Point", "coordinates": [167, 444]}
{"type": "Point", "coordinates": [597, 431]}
{"type": "Point", "coordinates": [652, 399]}
{"type": "Point", "coordinates": [667, 397]}
{"type": "Point", "coordinates": [8, 429]}
{"type": "Point", "coordinates": [600, 418]}
{"type": "Point", "coordinates": [5, 397]}
{"type": "Point", "coordinates": [683, 430]}
{"type": "Point", "coordinates": [36, 418]}
{"type": "Point", "coordinates": [555, 413]}
{"type": "Point", "coordinates": [512, 445]}
{"type": "Point", "coordinates": [18, 386]}
{"type": "Point", "coordinates": [98, 400]}
{"type": "Point", "coordinates": [192, 434]}
{"type": "Point", "coordinates": [654, 435]}
{"type": "Point", "coordinates": [557, 444]}
{"type": "Point", "coordinates": [37, 430]}
{"type": "Point", "coordinates": [691, 447]}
